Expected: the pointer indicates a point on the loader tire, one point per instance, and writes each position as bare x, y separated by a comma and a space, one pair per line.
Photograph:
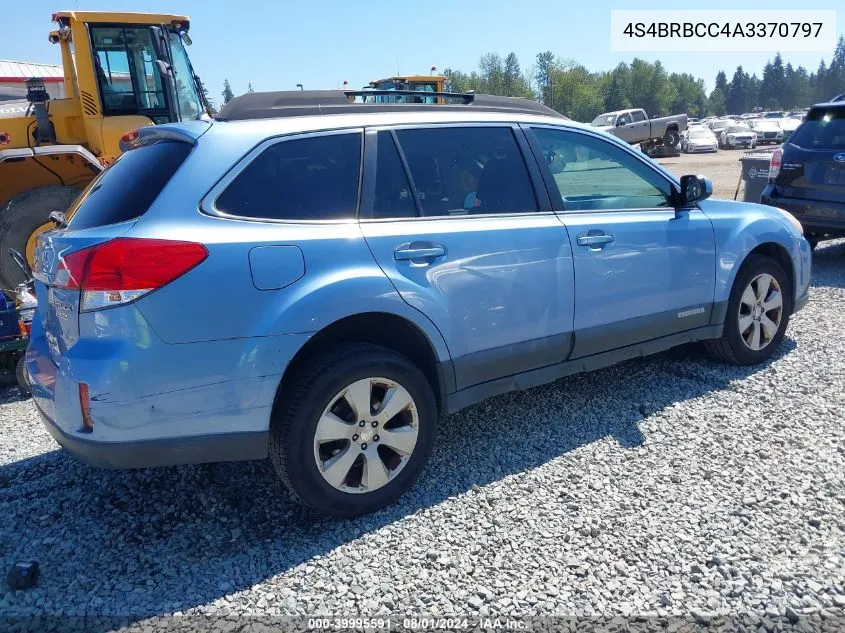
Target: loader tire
23, 214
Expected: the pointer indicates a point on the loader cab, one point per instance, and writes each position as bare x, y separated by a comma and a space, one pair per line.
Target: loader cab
422, 84
144, 70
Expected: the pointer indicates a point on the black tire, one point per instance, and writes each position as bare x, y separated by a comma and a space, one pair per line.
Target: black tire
300, 405
21, 375
730, 348
25, 213
671, 138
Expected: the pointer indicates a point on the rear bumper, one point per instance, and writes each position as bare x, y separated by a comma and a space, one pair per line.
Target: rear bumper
157, 404
221, 447
814, 215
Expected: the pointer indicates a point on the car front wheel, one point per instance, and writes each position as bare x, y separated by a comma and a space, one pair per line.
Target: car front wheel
758, 312
354, 429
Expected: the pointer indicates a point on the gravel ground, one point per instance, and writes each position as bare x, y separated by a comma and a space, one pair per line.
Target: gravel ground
671, 485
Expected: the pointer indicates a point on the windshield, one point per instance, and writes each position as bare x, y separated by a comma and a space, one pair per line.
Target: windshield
190, 105
823, 129
604, 119
392, 84
700, 134
738, 129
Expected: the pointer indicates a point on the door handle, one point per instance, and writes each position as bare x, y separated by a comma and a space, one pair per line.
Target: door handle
409, 252
595, 240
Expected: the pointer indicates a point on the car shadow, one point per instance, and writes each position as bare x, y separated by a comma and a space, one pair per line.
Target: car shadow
174, 538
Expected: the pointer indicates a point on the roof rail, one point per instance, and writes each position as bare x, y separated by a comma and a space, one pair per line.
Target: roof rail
268, 105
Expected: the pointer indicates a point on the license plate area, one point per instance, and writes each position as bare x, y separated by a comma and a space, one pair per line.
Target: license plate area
834, 176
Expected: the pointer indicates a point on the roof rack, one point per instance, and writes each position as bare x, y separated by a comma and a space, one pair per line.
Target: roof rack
269, 105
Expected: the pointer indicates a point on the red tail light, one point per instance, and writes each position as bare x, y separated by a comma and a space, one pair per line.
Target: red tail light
774, 163
130, 140
124, 269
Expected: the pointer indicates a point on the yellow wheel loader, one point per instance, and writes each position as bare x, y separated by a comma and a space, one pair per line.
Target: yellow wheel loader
408, 83
122, 71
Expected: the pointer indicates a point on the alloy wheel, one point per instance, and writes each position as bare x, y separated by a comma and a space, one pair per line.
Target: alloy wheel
760, 312
366, 435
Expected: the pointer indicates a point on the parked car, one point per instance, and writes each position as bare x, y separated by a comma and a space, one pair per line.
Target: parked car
807, 174
720, 124
788, 125
634, 126
767, 131
737, 136
379, 267
699, 139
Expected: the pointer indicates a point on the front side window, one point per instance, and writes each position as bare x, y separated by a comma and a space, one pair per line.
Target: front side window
313, 178
467, 170
593, 174
127, 72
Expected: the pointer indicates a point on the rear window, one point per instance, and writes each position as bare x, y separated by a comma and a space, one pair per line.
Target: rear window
313, 178
127, 188
823, 129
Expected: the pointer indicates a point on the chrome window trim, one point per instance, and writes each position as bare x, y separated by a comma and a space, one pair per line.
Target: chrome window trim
208, 204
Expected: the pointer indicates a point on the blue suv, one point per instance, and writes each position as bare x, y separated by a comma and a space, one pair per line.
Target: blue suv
317, 277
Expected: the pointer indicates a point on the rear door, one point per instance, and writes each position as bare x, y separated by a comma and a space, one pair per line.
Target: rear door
462, 226
813, 162
643, 269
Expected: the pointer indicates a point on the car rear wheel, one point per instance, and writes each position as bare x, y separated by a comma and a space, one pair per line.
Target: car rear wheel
354, 430
758, 313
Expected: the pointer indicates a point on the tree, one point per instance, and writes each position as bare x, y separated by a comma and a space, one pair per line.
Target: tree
721, 82
616, 86
227, 93
545, 61
512, 76
716, 103
818, 82
737, 99
834, 80
249, 88
212, 111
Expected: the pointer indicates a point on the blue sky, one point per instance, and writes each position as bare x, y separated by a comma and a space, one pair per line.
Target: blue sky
276, 44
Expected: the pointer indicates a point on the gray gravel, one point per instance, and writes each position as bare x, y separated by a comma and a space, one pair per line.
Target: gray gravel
667, 485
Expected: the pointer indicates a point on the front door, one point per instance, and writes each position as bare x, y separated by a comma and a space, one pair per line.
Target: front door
464, 238
643, 269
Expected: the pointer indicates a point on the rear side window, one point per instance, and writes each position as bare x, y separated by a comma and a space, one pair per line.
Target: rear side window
823, 129
313, 178
127, 188
393, 197
461, 170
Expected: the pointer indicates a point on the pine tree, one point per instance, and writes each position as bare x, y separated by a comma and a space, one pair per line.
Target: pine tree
212, 111
227, 93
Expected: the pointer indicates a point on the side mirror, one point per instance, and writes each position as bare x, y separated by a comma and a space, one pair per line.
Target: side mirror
694, 189
185, 38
